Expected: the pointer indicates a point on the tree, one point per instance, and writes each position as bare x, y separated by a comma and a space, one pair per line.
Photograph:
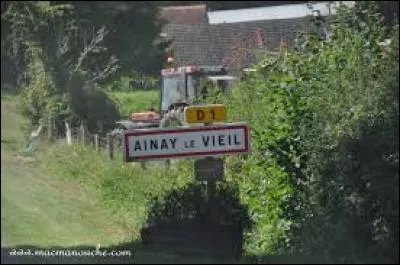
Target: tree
133, 29
79, 46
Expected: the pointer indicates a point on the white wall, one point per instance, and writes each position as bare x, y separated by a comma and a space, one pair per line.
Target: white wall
273, 12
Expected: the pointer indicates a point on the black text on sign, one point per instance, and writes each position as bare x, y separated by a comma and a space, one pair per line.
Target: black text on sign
205, 114
186, 142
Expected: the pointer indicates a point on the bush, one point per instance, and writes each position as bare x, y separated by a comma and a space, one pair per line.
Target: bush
349, 140
323, 173
265, 179
42, 100
95, 106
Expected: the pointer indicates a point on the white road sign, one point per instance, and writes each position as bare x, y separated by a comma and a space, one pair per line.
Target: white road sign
151, 144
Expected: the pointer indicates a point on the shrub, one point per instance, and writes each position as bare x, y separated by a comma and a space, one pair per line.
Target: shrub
40, 99
323, 173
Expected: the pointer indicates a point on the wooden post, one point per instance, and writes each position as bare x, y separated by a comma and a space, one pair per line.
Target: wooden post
68, 133
83, 132
168, 164
211, 194
212, 200
96, 142
110, 146
50, 129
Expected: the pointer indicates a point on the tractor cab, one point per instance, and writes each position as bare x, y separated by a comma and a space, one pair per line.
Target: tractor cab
181, 87
188, 85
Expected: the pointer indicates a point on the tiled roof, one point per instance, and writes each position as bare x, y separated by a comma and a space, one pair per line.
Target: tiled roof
213, 44
185, 15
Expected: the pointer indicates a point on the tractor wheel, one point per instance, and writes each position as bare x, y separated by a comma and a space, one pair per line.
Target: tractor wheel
173, 118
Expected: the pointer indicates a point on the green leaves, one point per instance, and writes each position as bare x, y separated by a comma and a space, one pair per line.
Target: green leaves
79, 45
312, 118
346, 89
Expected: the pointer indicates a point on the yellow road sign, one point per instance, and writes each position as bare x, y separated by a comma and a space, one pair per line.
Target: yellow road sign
205, 114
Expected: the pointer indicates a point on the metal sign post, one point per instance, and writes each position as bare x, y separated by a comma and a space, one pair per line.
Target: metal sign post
210, 138
209, 169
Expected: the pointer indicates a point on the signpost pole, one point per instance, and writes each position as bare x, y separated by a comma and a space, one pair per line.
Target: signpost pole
213, 137
209, 140
211, 189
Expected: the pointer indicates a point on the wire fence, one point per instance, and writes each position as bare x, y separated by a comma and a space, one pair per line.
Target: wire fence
109, 143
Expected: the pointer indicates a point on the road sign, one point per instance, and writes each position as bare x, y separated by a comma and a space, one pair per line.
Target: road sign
180, 142
209, 168
205, 114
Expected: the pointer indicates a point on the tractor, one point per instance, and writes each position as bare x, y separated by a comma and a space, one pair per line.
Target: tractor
181, 87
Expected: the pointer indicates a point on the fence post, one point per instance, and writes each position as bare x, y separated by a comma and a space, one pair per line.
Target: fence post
83, 132
110, 146
96, 142
50, 128
68, 133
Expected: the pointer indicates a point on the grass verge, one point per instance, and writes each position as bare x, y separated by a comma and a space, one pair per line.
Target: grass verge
137, 101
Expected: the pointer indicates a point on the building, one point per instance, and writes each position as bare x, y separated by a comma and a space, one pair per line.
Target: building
235, 37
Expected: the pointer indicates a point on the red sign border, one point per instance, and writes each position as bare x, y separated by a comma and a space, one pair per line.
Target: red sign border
244, 150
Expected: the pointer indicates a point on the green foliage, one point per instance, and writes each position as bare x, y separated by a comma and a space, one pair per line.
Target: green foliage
137, 101
352, 93
23, 24
39, 100
133, 29
323, 173
265, 178
322, 178
133, 82
97, 108
125, 189
78, 46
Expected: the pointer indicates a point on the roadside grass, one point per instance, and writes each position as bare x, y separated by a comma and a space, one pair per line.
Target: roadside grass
39, 208
135, 101
12, 137
72, 197
125, 189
